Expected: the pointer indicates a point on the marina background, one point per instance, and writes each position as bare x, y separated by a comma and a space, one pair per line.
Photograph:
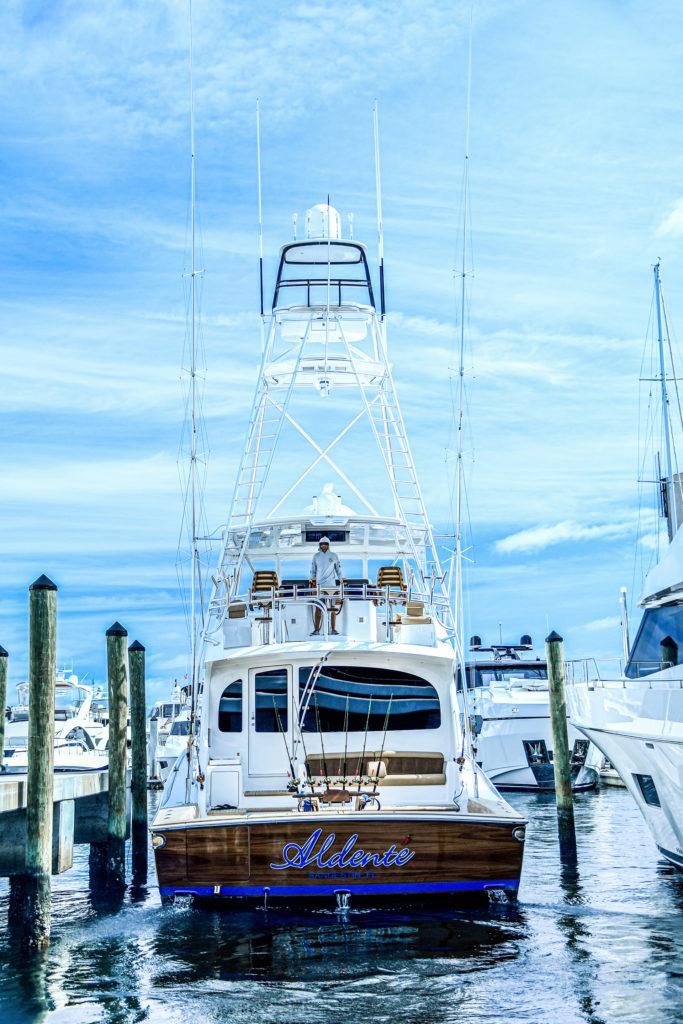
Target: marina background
575, 192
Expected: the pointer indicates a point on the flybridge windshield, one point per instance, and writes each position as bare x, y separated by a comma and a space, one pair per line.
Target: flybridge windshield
318, 273
323, 252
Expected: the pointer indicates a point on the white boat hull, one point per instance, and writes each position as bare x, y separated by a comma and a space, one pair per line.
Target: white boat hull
638, 726
508, 720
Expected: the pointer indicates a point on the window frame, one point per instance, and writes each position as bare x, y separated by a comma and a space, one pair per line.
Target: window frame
231, 732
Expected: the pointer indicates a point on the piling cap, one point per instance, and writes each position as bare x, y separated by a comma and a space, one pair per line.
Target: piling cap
136, 646
117, 630
3, 653
43, 583
553, 637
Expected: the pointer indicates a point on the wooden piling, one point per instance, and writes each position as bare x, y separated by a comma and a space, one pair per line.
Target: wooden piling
138, 784
554, 648
42, 673
117, 671
3, 700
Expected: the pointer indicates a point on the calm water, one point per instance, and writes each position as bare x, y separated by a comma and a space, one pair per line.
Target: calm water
603, 945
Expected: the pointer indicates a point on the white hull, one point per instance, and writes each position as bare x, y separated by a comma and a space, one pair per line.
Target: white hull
638, 725
508, 720
66, 759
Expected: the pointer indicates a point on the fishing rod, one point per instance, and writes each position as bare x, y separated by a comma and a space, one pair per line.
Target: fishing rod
361, 762
384, 739
284, 739
346, 735
322, 745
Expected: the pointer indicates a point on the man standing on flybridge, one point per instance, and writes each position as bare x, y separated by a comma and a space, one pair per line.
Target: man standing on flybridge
326, 575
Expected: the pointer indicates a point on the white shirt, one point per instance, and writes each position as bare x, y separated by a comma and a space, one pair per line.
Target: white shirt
325, 568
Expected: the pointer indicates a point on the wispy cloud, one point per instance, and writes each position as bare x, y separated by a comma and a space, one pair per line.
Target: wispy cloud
598, 625
673, 222
540, 537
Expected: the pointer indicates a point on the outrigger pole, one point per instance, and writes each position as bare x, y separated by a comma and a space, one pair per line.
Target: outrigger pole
459, 614
193, 413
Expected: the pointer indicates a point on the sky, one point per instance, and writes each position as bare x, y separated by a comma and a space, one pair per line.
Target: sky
576, 189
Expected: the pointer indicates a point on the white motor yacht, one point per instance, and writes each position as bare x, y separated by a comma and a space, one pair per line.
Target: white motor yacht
326, 753
78, 729
635, 717
508, 697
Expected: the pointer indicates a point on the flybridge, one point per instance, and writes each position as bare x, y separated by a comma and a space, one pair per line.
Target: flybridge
354, 536
325, 336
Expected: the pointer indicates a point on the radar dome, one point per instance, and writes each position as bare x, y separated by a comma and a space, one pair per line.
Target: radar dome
323, 221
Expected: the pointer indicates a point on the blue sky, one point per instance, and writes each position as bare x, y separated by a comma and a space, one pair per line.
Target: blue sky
576, 189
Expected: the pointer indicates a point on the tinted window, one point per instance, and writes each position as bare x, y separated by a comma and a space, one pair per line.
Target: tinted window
354, 699
181, 728
485, 675
230, 708
648, 789
270, 690
648, 654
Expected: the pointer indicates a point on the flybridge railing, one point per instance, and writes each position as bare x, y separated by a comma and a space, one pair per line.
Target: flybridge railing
277, 598
610, 672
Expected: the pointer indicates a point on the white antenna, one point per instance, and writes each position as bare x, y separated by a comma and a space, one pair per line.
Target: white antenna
260, 205
350, 217
295, 221
380, 223
325, 383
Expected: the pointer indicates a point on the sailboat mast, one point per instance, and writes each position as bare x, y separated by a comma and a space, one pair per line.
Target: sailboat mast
193, 385
665, 405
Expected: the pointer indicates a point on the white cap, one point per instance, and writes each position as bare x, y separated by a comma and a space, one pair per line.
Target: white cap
323, 540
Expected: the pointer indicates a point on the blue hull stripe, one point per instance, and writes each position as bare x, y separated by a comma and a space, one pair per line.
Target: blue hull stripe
329, 890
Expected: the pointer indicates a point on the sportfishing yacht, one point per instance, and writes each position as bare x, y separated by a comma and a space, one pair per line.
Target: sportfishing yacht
636, 717
330, 756
508, 697
78, 728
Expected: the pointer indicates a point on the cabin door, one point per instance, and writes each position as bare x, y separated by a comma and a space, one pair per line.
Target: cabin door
270, 723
